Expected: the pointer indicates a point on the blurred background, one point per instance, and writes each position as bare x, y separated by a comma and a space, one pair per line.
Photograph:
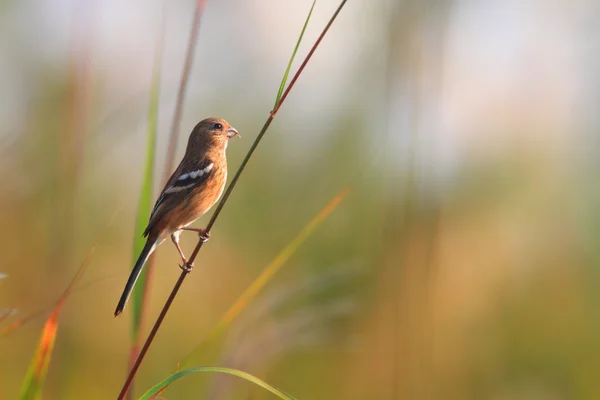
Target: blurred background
462, 265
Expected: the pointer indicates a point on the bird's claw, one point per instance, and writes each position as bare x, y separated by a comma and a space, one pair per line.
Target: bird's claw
187, 267
203, 235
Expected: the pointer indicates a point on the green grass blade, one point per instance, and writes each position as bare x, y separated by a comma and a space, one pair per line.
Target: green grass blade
162, 385
145, 199
289, 66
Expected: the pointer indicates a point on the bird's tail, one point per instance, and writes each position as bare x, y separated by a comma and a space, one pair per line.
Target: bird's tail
133, 277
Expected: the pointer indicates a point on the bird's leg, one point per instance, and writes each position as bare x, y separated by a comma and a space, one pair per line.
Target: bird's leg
202, 233
186, 266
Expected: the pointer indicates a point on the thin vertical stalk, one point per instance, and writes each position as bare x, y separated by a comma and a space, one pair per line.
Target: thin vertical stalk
140, 303
187, 67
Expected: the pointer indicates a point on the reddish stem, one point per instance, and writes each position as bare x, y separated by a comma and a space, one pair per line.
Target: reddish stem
226, 195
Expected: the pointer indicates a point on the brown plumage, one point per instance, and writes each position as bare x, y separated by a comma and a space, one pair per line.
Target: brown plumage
191, 191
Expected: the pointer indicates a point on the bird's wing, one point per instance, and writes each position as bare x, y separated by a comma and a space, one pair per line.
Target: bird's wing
183, 181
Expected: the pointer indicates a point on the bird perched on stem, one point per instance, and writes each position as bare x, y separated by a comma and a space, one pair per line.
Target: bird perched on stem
191, 191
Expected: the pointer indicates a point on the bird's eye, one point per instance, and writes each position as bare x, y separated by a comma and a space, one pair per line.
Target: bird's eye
217, 126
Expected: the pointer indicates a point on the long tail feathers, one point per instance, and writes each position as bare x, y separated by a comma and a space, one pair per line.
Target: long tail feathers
133, 277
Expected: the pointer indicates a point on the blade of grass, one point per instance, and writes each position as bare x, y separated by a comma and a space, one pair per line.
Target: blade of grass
36, 375
141, 292
145, 199
159, 387
308, 57
289, 66
281, 258
269, 272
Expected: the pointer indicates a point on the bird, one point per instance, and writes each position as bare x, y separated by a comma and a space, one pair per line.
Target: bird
193, 188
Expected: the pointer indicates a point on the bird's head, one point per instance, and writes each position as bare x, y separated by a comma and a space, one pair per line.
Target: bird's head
212, 132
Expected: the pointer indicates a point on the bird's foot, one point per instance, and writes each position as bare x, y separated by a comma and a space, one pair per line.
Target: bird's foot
202, 233
186, 266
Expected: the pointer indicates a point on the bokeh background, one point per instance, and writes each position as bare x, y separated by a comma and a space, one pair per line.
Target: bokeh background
462, 265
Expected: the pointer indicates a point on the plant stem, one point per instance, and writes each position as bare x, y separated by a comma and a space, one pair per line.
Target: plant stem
151, 335
221, 204
189, 57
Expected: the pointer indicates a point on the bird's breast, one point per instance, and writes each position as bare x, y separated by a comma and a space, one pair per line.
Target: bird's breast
201, 199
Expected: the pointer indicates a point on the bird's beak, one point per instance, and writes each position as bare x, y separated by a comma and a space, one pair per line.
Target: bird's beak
231, 132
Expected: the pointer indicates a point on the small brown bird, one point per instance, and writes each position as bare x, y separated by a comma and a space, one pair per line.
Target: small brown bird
191, 191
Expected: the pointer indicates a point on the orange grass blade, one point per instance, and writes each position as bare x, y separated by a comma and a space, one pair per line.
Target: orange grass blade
274, 266
36, 375
281, 258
